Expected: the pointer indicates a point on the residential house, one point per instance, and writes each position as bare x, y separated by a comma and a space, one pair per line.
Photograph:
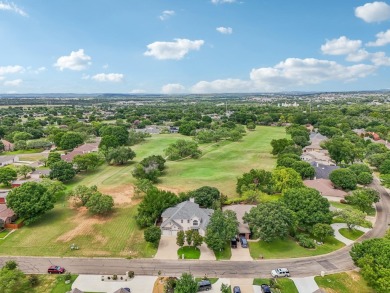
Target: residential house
8, 146
3, 196
240, 210
6, 215
152, 129
315, 142
325, 187
40, 173
185, 216
17, 183
83, 149
173, 129
7, 160
322, 170
320, 157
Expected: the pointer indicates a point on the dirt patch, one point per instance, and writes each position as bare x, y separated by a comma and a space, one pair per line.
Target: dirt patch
172, 189
121, 194
85, 226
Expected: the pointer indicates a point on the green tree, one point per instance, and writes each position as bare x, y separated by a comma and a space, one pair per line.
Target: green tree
309, 207
24, 170
384, 167
13, 281
180, 238
119, 132
87, 162
342, 150
11, 265
20, 135
186, 284
197, 239
53, 158
109, 141
30, 201
251, 126
182, 149
321, 231
120, 155
70, 140
225, 288
149, 168
364, 178
62, 171
360, 168
7, 175
270, 221
54, 187
222, 227
206, 196
352, 217
100, 204
363, 199
189, 234
83, 193
255, 180
152, 234
304, 169
286, 178
343, 178
153, 204
278, 145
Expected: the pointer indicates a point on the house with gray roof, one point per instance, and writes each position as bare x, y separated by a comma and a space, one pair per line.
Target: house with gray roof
323, 171
185, 216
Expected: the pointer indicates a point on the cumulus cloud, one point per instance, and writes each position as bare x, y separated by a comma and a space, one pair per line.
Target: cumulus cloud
11, 69
373, 12
137, 91
287, 75
172, 50
340, 46
10, 6
173, 88
77, 60
225, 30
358, 56
382, 39
108, 77
380, 59
222, 1
166, 14
15, 82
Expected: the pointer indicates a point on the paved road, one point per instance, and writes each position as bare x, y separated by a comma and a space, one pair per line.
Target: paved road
300, 267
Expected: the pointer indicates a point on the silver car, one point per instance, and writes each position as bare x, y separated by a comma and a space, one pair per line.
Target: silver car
280, 272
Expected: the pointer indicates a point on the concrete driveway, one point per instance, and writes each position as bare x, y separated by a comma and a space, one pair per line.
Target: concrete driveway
206, 253
167, 248
93, 283
240, 254
245, 284
216, 288
306, 285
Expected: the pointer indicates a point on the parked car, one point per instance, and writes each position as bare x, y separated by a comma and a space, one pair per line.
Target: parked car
236, 289
280, 272
244, 242
265, 288
204, 285
233, 243
55, 270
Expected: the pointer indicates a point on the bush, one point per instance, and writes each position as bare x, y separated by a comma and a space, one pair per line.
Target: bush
130, 274
68, 276
34, 280
305, 241
343, 201
115, 277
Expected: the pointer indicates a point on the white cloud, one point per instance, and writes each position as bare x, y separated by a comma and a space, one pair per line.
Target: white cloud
173, 88
222, 86
373, 12
166, 14
340, 46
11, 69
39, 70
15, 82
10, 6
380, 59
222, 1
358, 56
225, 30
110, 77
382, 39
172, 50
287, 75
77, 60
137, 91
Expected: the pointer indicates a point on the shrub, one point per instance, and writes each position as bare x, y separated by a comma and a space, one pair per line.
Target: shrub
305, 241
115, 277
343, 201
68, 276
34, 280
130, 274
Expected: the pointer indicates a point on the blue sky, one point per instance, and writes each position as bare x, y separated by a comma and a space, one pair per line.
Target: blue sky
193, 46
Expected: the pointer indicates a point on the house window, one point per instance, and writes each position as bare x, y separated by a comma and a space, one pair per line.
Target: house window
195, 223
188, 221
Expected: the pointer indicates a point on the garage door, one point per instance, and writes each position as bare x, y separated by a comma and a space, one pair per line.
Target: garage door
166, 232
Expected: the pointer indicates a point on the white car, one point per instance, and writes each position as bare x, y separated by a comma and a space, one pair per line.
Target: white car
280, 272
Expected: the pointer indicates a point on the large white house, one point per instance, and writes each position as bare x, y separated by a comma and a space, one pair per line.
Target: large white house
185, 216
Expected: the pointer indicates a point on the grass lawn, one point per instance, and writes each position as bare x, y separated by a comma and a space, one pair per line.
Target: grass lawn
286, 285
339, 205
350, 282
4, 233
189, 252
52, 284
288, 248
19, 152
353, 235
225, 254
52, 235
61, 287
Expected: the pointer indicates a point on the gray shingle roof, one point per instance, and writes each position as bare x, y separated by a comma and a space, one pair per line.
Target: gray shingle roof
323, 171
187, 210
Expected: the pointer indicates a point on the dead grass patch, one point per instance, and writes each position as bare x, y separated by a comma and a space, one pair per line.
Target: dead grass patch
122, 194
